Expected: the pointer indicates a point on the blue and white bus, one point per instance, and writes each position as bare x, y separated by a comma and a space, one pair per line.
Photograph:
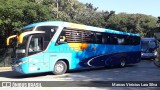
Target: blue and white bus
57, 46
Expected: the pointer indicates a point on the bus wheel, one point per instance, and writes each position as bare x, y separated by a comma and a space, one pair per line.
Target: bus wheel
60, 68
123, 62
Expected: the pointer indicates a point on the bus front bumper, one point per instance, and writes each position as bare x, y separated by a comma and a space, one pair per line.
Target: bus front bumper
20, 68
148, 55
17, 69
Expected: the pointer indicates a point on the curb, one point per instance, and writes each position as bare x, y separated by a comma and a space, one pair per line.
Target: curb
5, 69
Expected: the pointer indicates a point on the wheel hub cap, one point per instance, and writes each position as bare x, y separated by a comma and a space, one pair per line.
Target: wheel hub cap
59, 68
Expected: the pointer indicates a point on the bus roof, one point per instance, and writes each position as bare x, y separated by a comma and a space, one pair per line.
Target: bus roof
79, 26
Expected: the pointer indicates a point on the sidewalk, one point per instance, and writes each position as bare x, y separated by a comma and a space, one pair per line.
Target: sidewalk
5, 69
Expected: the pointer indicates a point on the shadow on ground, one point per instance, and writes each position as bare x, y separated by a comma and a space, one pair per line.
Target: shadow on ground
15, 75
143, 71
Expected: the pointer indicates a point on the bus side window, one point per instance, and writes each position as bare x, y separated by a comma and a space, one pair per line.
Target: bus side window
49, 31
62, 38
92, 37
113, 39
98, 38
127, 40
36, 44
104, 39
121, 40
134, 40
85, 38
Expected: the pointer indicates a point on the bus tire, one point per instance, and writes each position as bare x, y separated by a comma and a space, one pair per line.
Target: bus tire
60, 68
122, 62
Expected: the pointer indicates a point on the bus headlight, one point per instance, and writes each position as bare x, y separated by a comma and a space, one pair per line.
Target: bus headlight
155, 53
21, 62
142, 54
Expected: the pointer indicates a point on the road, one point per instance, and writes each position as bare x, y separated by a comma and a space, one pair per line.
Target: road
143, 71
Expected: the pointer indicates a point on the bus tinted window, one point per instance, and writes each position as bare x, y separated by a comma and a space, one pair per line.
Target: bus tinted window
121, 40
113, 39
49, 31
98, 38
77, 36
134, 40
105, 38
86, 36
73, 35
36, 45
92, 37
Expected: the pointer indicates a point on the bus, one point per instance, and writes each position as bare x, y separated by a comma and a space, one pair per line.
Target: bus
57, 46
148, 48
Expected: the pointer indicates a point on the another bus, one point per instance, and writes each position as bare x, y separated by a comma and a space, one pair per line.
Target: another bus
57, 46
148, 48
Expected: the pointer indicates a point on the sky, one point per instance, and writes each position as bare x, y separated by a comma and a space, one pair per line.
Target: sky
148, 7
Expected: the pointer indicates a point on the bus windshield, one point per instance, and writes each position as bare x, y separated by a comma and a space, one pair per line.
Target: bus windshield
26, 29
24, 44
148, 46
19, 50
25, 39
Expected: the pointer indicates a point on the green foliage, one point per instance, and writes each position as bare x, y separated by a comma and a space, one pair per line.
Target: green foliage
134, 23
17, 13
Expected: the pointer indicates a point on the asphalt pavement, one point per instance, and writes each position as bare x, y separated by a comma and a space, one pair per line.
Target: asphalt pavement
143, 71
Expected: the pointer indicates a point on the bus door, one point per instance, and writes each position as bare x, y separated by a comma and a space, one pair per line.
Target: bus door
37, 63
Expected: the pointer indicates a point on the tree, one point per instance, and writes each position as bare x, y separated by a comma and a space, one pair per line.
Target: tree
17, 13
134, 23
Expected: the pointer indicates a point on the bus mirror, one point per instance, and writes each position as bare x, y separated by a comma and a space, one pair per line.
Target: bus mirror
9, 39
20, 51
